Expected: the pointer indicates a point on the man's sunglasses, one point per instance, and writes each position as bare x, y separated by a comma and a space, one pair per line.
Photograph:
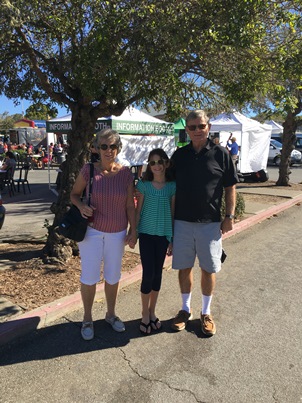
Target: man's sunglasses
194, 127
105, 147
159, 162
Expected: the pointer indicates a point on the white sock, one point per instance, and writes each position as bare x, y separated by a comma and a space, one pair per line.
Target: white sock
186, 301
206, 304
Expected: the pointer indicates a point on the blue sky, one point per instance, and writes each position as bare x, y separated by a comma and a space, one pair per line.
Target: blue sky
7, 105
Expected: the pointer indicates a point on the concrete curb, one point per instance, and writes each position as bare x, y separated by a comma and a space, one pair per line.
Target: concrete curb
46, 314
257, 218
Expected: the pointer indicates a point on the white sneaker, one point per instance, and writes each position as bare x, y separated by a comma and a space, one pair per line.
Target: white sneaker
116, 323
87, 331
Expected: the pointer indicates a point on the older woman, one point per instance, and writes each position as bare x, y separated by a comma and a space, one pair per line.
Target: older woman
111, 209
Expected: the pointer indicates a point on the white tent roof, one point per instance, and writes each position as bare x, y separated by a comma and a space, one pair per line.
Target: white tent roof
252, 136
276, 128
130, 113
132, 121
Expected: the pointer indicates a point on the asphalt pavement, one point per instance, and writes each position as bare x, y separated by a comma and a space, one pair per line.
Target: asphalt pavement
254, 357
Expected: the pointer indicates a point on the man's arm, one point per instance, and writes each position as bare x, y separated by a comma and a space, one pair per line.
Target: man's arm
230, 203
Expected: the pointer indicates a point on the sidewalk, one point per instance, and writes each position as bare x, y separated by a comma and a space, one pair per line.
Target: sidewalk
253, 358
25, 215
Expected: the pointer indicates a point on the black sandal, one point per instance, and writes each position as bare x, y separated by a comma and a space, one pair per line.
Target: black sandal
146, 327
154, 323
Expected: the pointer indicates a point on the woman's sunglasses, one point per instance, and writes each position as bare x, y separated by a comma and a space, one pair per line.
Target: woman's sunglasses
105, 147
194, 127
158, 162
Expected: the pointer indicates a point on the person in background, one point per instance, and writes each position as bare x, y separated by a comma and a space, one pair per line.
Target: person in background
154, 218
38, 160
202, 171
111, 210
233, 148
9, 162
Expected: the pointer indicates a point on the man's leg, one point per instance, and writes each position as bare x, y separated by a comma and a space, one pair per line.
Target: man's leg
185, 277
208, 281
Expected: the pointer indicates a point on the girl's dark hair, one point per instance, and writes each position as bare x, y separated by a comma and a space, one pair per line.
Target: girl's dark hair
148, 175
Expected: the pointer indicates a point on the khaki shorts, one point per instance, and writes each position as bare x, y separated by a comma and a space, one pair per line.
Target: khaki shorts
201, 240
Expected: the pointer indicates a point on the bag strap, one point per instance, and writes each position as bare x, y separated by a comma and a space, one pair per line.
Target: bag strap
90, 182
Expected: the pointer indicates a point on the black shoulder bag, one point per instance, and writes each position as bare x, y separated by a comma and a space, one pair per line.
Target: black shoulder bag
73, 225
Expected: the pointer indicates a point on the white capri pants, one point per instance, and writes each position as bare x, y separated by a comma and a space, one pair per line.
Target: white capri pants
100, 246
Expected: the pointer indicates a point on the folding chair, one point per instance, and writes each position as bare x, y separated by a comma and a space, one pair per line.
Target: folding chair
23, 178
8, 181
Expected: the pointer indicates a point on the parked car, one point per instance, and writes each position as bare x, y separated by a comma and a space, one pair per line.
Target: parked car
298, 143
274, 155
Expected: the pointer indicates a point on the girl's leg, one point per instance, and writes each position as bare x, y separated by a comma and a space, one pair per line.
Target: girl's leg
147, 253
145, 314
160, 255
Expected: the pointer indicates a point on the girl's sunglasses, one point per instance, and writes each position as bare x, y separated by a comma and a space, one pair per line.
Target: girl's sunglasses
105, 147
158, 162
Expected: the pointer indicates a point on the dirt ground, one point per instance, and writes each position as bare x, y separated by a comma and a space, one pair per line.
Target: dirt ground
30, 283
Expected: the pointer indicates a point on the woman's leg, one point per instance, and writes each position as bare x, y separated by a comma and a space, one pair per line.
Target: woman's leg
111, 291
88, 293
114, 245
91, 252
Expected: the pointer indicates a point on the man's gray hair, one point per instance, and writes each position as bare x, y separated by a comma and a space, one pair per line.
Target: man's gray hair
198, 113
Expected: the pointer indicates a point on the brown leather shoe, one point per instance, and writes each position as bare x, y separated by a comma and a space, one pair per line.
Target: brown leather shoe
181, 319
208, 326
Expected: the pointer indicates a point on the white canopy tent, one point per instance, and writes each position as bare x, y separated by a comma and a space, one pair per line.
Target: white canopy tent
140, 133
276, 128
131, 121
252, 137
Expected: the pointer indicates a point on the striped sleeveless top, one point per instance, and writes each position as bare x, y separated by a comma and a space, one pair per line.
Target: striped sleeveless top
155, 218
109, 197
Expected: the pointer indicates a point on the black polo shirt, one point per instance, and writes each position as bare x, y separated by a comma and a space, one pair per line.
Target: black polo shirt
200, 179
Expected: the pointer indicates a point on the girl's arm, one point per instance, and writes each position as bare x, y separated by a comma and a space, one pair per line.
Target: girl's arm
131, 237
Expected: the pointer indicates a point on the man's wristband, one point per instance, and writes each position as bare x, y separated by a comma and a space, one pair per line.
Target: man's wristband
231, 216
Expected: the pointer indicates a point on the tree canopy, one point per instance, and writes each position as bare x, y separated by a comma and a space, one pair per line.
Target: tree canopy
97, 57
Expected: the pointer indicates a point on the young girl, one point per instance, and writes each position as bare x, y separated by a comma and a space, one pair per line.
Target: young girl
154, 217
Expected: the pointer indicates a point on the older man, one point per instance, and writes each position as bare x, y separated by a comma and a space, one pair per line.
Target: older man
202, 171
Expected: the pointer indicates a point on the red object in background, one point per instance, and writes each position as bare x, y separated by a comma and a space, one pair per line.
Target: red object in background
45, 160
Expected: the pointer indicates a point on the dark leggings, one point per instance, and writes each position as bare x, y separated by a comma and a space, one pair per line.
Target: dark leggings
153, 251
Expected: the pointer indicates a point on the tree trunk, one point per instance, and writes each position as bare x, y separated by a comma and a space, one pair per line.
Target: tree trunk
59, 249
288, 141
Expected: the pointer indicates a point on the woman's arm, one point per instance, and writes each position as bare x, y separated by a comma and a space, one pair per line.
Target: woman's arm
76, 194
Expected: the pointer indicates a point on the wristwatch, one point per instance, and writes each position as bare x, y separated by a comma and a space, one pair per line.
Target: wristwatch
231, 216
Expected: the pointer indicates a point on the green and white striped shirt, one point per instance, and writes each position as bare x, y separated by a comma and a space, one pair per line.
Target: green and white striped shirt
155, 217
